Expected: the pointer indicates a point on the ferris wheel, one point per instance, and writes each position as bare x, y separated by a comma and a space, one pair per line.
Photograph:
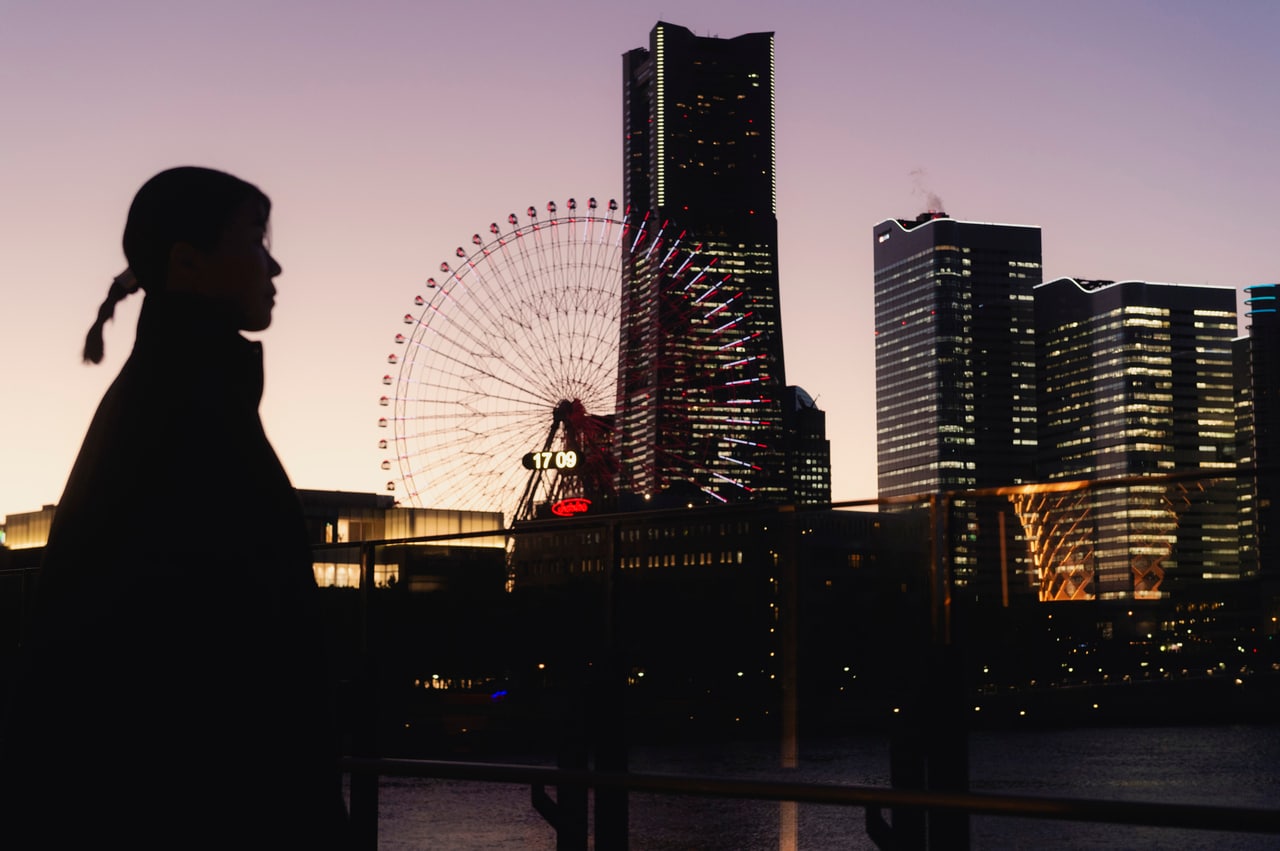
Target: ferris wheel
505, 394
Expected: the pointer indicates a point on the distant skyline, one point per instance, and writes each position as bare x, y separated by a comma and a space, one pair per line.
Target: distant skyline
1140, 136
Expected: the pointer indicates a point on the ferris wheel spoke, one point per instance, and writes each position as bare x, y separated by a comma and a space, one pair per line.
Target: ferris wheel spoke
480, 378
517, 306
451, 431
501, 317
564, 298
485, 346
463, 468
449, 425
456, 462
532, 269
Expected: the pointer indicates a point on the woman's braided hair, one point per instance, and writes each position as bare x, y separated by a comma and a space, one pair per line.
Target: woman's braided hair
186, 204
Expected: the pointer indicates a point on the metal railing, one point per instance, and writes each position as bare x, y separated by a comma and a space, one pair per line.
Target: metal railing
872, 799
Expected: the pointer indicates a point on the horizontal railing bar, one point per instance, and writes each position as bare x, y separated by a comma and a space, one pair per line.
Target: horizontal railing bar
1138, 813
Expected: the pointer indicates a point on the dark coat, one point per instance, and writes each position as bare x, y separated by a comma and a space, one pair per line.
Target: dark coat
176, 691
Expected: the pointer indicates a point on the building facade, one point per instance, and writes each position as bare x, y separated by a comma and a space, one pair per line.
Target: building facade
808, 452
338, 521
955, 375
1136, 380
1262, 309
701, 373
716, 608
1246, 485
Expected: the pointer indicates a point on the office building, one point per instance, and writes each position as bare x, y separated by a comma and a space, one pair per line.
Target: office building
807, 450
1136, 380
1246, 484
701, 374
719, 603
1262, 309
955, 378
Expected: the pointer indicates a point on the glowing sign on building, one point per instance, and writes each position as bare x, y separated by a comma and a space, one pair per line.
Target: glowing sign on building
570, 507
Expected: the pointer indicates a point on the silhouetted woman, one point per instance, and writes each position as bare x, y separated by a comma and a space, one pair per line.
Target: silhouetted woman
176, 688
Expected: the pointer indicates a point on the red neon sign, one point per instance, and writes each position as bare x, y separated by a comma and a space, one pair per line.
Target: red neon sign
570, 507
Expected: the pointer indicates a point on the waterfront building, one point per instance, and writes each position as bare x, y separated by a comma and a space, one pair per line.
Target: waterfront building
1246, 485
955, 378
720, 604
1262, 309
1136, 380
341, 517
28, 530
699, 159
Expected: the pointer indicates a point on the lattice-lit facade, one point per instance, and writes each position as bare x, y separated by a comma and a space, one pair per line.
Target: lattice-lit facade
699, 157
955, 371
1136, 379
1262, 307
1246, 486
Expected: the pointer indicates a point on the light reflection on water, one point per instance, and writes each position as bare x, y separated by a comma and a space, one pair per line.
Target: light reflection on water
1228, 765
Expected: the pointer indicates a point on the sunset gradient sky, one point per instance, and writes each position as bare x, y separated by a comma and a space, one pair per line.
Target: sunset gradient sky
1142, 136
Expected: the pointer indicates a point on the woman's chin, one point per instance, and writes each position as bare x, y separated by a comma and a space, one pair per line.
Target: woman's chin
256, 323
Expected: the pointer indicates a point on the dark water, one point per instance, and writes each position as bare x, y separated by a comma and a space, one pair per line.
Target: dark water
1227, 765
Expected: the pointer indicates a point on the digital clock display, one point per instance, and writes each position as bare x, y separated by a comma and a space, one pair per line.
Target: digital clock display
565, 459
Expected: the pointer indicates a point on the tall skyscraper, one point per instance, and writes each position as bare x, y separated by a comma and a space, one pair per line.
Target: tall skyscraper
701, 375
1246, 485
955, 373
1263, 375
1136, 379
1263, 378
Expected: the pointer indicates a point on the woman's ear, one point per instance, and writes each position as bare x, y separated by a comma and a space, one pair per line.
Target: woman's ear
183, 270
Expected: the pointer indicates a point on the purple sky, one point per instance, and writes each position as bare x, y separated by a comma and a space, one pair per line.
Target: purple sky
1141, 136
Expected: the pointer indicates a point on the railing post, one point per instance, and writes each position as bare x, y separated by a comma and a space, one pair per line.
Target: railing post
929, 743
571, 798
946, 727
364, 723
609, 715
789, 758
